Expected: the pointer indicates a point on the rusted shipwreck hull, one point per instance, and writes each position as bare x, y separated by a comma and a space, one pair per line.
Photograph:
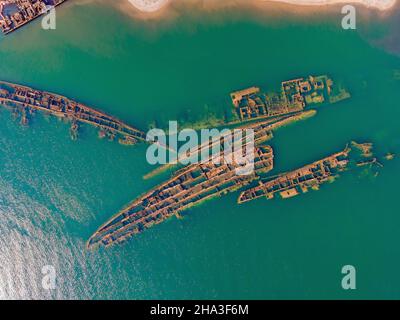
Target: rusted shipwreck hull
27, 99
188, 187
299, 181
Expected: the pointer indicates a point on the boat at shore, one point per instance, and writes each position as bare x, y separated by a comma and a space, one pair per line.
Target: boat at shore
16, 13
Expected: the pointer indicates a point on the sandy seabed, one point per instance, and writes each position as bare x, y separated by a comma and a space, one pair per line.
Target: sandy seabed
156, 5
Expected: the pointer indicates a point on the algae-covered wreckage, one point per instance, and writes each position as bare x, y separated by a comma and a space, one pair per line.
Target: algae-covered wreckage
260, 113
311, 176
195, 183
189, 186
294, 96
26, 101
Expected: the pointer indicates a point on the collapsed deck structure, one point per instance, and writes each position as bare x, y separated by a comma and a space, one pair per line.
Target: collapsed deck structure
260, 114
290, 184
293, 183
188, 187
262, 130
17, 13
26, 100
195, 183
295, 96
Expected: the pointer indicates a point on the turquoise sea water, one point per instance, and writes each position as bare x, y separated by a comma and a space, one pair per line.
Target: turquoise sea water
55, 192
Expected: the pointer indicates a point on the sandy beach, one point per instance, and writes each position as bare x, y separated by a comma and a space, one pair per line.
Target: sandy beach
156, 5
377, 4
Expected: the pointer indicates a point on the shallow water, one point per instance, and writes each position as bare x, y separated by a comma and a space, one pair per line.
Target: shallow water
55, 192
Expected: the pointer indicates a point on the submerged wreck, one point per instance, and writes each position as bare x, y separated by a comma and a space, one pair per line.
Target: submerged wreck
195, 183
17, 13
192, 185
188, 187
291, 184
27, 100
203, 180
263, 131
294, 96
199, 182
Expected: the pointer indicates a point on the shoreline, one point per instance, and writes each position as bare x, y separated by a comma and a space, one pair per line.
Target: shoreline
166, 11
155, 6
382, 5
267, 11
